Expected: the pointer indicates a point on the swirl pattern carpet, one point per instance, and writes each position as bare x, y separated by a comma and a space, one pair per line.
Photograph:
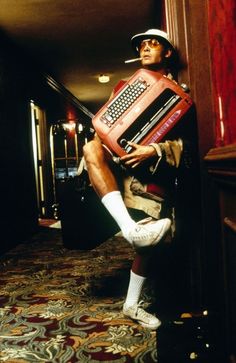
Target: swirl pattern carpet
65, 306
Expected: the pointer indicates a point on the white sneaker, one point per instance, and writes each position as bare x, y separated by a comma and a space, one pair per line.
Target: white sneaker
148, 235
145, 319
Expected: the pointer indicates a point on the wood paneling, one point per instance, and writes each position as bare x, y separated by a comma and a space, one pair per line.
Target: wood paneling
221, 164
188, 25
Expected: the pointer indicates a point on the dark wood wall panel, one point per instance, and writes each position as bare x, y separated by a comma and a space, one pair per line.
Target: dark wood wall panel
221, 164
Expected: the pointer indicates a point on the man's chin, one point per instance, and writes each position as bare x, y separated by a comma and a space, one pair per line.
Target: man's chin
147, 62
152, 65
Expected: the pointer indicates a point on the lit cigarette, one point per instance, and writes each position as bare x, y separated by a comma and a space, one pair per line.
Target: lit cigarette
133, 60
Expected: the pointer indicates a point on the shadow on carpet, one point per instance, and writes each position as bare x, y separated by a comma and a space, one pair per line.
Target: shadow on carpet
60, 305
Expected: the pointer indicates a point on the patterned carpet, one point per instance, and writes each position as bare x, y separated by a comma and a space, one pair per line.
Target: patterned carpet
59, 305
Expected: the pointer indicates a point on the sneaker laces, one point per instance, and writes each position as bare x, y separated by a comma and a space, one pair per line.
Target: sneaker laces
141, 312
142, 236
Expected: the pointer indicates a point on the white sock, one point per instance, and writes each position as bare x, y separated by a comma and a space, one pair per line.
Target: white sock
114, 203
136, 283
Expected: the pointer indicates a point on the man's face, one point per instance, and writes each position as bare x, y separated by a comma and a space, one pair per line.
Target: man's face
152, 52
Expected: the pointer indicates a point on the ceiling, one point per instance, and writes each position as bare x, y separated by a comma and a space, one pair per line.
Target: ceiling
77, 40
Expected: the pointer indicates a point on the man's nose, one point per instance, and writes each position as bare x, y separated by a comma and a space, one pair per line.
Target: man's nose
146, 46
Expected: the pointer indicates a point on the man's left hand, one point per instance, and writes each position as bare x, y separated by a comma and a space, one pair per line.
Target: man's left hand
138, 154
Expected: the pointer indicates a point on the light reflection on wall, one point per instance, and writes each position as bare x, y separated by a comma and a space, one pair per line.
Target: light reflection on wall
222, 36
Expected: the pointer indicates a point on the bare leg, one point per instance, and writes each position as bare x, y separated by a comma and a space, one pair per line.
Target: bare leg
97, 160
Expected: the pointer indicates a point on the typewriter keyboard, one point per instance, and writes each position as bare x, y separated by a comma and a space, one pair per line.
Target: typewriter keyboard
123, 101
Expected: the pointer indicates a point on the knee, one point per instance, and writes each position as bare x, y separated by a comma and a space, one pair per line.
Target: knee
92, 150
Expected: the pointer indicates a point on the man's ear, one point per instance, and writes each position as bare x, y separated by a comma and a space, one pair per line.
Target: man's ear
168, 53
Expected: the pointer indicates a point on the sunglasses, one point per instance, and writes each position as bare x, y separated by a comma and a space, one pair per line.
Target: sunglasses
151, 43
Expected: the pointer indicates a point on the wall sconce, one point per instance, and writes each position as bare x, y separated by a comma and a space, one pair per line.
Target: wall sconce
103, 78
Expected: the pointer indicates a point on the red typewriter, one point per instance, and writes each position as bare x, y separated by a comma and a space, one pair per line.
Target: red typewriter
143, 111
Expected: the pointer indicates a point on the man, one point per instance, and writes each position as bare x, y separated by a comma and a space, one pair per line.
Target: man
141, 168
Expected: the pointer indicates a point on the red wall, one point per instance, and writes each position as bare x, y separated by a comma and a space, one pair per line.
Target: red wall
222, 33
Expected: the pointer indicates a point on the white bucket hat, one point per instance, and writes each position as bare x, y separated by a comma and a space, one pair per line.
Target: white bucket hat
151, 33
